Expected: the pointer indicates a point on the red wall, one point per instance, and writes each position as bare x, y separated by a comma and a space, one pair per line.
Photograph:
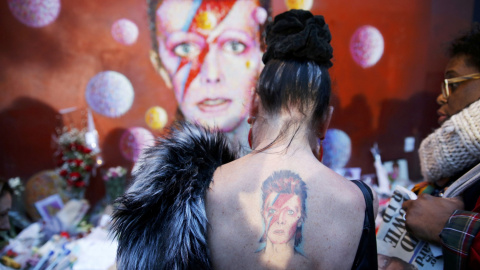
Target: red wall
43, 70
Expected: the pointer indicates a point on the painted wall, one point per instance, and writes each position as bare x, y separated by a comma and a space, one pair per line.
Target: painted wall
395, 98
44, 70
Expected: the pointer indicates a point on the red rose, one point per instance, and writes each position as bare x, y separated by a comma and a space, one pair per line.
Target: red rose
88, 168
80, 148
75, 175
65, 234
87, 150
78, 162
11, 253
63, 172
79, 184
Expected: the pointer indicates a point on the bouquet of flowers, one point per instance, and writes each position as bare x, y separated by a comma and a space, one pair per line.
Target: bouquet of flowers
114, 180
75, 159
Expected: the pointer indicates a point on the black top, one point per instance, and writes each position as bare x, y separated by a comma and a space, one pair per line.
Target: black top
366, 257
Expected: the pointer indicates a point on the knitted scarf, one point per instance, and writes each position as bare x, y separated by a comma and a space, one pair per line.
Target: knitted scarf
454, 147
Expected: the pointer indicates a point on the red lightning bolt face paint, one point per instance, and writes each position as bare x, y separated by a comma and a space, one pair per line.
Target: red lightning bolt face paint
282, 213
211, 51
208, 15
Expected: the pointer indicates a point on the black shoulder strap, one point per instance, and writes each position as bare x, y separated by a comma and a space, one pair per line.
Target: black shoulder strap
366, 257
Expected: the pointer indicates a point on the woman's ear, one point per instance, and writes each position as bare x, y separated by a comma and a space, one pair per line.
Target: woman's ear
322, 128
156, 62
254, 104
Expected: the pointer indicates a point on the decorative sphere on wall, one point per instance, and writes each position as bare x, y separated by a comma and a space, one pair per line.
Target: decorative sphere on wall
156, 117
366, 46
299, 4
133, 141
337, 148
110, 93
125, 31
35, 13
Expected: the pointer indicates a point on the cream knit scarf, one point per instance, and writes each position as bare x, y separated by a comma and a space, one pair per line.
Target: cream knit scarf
454, 147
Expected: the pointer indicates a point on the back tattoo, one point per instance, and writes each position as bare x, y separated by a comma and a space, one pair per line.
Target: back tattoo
284, 212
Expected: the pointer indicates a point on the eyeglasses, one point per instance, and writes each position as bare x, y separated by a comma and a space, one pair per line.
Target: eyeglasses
455, 81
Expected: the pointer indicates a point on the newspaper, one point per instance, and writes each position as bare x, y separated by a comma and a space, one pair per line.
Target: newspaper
394, 243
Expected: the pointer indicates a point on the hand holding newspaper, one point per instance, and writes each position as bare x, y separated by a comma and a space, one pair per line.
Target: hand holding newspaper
394, 243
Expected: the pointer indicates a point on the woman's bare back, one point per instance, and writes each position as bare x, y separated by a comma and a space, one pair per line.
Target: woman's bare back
269, 212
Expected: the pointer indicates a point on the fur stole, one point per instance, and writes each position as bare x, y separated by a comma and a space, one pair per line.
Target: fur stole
161, 220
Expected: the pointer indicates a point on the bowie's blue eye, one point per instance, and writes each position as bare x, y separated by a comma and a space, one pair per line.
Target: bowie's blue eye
234, 46
187, 50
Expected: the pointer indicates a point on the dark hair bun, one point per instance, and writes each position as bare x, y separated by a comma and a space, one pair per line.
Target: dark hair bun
297, 34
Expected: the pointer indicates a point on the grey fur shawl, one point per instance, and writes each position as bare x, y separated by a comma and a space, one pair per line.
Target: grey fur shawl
161, 222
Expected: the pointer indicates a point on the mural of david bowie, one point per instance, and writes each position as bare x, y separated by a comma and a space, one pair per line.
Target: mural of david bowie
283, 195
209, 52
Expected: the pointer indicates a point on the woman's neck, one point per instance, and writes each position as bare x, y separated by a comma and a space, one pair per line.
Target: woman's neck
283, 133
238, 138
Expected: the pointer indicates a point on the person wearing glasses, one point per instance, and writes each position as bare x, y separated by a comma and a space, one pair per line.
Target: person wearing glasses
449, 159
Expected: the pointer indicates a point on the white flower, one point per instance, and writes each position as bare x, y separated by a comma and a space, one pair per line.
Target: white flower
70, 136
114, 172
16, 185
14, 182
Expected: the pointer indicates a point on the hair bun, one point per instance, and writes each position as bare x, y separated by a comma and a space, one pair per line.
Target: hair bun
297, 34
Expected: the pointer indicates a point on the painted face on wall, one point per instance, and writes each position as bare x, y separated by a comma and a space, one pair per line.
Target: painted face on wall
282, 213
211, 51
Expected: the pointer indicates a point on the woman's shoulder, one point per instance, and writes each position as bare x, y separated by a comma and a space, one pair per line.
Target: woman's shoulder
326, 181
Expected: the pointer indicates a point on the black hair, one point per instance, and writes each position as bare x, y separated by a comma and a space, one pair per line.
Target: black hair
300, 83
152, 6
467, 45
297, 60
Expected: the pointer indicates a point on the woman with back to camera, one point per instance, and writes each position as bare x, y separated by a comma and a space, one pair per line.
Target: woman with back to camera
193, 206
